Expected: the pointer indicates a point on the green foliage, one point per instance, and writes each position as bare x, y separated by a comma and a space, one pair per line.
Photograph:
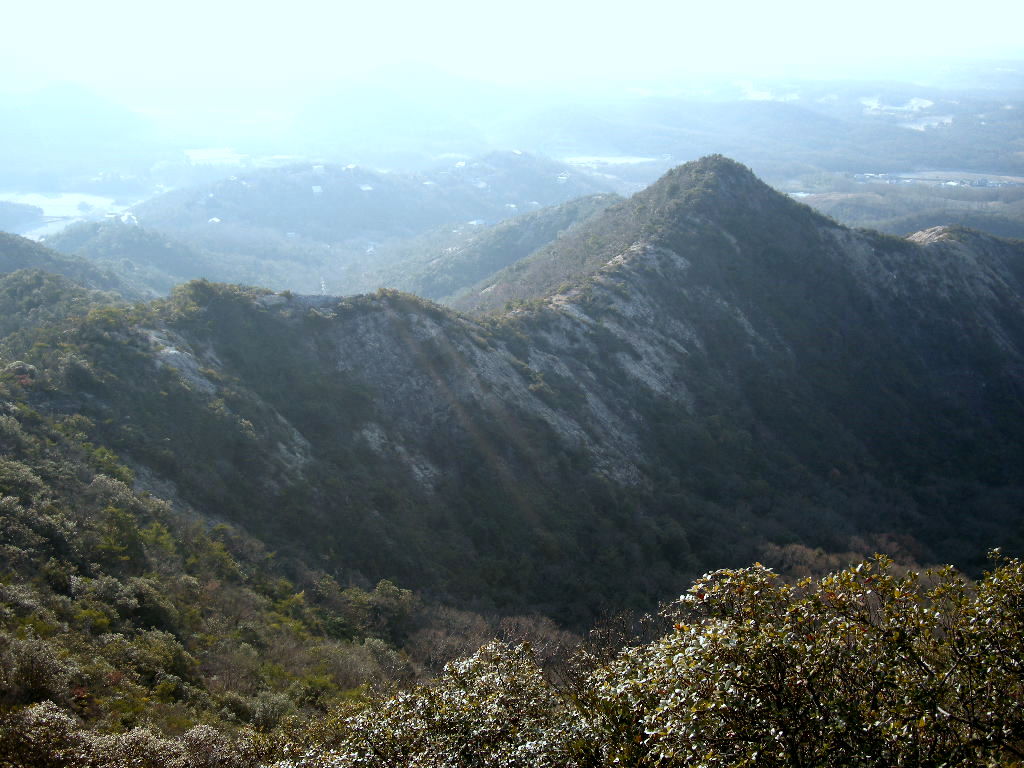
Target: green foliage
120, 541
31, 299
864, 667
494, 708
43, 736
128, 615
861, 668
20, 254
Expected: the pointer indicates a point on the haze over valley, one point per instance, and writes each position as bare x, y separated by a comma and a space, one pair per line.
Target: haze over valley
445, 386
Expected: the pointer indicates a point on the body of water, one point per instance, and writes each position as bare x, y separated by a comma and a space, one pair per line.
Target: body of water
60, 210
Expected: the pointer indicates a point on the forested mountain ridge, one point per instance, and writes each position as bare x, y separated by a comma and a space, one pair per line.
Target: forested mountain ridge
717, 369
200, 493
152, 263
441, 275
21, 253
699, 206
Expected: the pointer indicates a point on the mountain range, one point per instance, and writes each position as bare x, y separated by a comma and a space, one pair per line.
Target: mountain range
683, 379
256, 510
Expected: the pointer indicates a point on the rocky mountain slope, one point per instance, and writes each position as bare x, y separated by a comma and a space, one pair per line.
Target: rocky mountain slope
699, 374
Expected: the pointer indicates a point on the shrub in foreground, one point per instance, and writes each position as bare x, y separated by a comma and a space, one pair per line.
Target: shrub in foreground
864, 667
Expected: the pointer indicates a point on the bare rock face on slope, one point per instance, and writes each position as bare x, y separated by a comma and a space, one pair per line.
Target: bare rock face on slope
688, 376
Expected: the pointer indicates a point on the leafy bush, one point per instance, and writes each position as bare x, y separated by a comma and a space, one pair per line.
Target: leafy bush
861, 668
493, 708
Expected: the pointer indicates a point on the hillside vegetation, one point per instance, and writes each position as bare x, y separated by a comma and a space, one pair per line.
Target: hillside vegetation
710, 357
751, 671
250, 513
20, 253
440, 272
859, 668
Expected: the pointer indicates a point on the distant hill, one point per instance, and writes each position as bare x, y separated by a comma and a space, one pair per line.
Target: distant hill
319, 229
436, 273
152, 262
433, 264
14, 216
335, 204
900, 209
18, 253
784, 128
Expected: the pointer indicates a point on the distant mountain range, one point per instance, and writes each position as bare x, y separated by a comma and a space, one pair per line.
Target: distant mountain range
334, 204
343, 230
968, 118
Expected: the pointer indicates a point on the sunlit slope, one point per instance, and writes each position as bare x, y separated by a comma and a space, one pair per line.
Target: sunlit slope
438, 273
725, 371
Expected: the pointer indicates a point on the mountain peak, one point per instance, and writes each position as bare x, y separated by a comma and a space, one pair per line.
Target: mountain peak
714, 183
699, 207
715, 166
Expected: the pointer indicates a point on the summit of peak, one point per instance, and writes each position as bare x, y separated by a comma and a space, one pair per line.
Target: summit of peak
713, 177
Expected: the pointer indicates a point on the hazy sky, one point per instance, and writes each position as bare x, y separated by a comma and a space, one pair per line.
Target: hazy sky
127, 47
